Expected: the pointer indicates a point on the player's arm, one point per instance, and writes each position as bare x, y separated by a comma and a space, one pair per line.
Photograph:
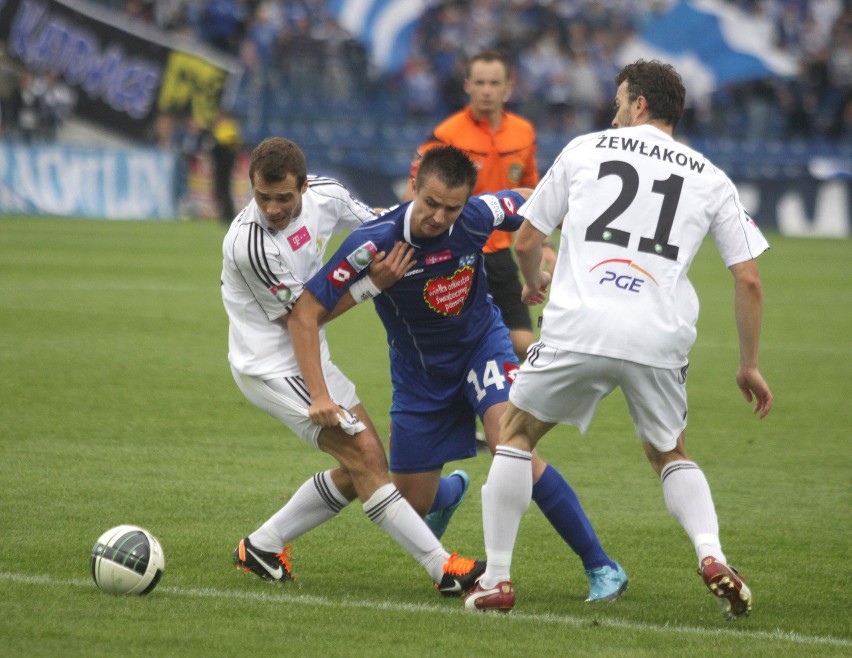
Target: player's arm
548, 254
385, 270
549, 250
528, 249
308, 313
748, 309
303, 324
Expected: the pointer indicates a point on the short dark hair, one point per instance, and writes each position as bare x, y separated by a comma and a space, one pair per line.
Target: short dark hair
488, 56
449, 165
660, 84
275, 158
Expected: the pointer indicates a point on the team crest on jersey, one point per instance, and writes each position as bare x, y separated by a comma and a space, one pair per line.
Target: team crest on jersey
282, 293
511, 371
299, 239
362, 256
468, 260
516, 170
447, 294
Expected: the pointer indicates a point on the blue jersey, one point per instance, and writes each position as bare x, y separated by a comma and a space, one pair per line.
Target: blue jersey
435, 316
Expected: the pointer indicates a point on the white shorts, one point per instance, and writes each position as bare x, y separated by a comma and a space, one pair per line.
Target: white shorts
559, 386
287, 399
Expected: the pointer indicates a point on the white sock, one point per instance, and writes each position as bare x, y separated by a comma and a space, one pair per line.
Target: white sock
506, 497
688, 499
393, 514
315, 502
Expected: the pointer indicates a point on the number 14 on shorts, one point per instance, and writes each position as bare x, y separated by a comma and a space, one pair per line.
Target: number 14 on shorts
492, 375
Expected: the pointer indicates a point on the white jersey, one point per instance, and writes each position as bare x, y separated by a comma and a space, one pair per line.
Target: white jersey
264, 272
634, 206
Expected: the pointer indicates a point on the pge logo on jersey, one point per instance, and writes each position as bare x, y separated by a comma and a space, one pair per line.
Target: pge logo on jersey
612, 275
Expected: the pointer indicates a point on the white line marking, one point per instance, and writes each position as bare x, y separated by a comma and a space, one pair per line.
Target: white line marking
777, 635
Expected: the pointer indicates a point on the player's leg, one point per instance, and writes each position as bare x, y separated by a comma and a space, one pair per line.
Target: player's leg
363, 457
657, 402
431, 426
506, 497
551, 492
451, 492
419, 489
265, 551
363, 471
562, 508
688, 498
320, 498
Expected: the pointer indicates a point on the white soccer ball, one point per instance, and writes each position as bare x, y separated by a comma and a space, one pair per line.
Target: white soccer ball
127, 559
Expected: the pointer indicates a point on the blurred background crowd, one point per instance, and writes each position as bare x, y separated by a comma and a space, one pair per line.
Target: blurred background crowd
307, 78
296, 56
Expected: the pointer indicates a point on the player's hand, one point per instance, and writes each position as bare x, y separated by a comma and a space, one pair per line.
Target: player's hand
532, 296
754, 387
388, 268
324, 412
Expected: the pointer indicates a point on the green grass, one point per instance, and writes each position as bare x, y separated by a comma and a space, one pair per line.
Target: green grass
117, 406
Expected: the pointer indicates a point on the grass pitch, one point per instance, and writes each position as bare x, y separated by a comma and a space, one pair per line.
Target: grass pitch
117, 406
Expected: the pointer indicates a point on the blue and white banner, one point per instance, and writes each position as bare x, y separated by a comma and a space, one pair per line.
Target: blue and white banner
384, 27
78, 182
712, 44
125, 73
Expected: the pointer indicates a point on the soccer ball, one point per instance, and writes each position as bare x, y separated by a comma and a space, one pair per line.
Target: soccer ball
127, 559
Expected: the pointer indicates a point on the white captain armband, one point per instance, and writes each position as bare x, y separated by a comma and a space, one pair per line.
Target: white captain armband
363, 289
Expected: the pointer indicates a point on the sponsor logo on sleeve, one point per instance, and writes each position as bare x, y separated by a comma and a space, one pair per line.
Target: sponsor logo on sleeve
362, 256
494, 205
341, 275
511, 371
299, 239
509, 205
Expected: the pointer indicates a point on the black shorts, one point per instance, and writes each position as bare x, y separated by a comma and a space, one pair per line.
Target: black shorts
504, 284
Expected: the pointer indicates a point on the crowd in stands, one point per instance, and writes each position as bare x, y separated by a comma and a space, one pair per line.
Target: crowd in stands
295, 55
34, 104
565, 54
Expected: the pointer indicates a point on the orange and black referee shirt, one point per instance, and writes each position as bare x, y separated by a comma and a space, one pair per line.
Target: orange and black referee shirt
505, 158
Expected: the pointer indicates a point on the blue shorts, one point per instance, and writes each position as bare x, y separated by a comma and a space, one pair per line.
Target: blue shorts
433, 417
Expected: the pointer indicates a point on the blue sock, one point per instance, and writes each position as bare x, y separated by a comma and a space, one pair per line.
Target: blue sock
560, 505
449, 491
